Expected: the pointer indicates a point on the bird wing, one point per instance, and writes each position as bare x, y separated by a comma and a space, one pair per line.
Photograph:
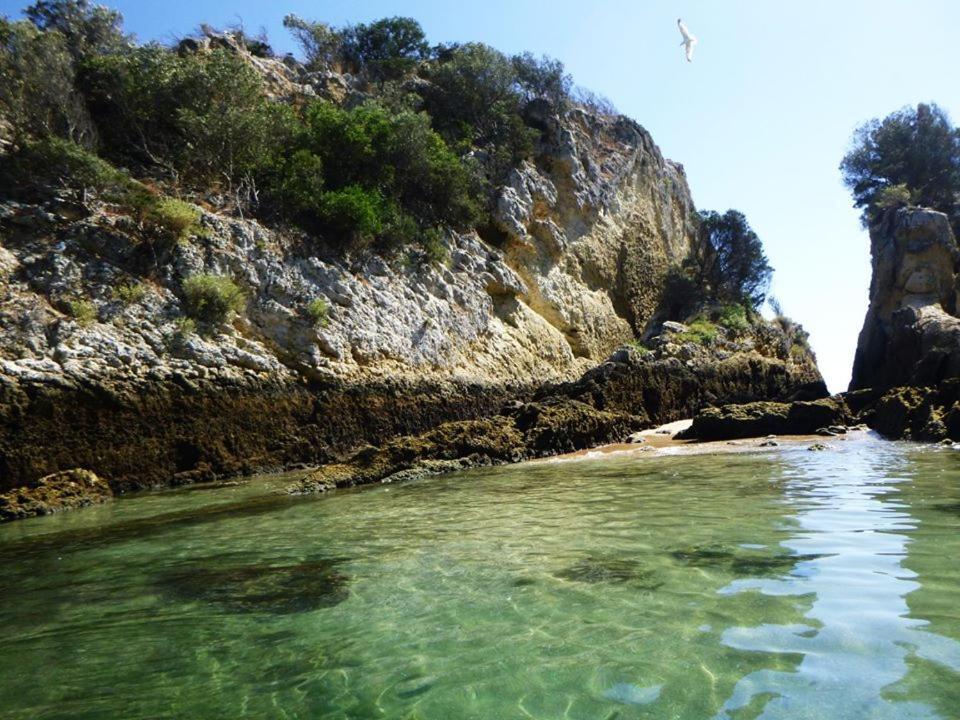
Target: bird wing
689, 46
684, 31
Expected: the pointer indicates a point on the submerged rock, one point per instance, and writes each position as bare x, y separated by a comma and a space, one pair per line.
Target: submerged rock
629, 694
54, 493
610, 570
264, 588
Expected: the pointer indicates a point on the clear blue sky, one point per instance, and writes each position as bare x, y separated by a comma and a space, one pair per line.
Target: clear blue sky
760, 120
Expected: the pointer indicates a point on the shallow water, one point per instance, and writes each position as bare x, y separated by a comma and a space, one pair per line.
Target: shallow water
788, 584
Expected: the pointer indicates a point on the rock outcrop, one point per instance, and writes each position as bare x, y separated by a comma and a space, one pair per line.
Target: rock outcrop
911, 334
98, 369
60, 491
518, 432
758, 419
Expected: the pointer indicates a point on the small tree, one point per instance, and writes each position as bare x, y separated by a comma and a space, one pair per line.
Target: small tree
320, 43
728, 260
912, 154
88, 29
37, 96
387, 48
544, 78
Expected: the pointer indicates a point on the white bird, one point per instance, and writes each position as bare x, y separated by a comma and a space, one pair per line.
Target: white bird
689, 40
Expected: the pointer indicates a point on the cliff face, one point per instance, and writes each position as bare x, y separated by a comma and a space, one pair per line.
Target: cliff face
571, 270
911, 335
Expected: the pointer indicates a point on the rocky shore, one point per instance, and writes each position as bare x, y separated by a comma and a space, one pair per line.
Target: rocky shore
556, 304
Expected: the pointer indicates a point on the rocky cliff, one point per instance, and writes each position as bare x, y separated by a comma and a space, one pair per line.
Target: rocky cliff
911, 334
570, 271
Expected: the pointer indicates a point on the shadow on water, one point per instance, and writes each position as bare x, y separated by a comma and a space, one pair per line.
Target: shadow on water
277, 590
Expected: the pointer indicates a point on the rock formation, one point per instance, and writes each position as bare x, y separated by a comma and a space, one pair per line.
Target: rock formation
911, 335
570, 270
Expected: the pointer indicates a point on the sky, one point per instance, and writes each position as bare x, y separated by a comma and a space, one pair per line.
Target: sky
760, 120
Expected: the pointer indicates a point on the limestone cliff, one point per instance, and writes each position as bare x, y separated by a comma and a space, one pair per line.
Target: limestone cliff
911, 335
570, 271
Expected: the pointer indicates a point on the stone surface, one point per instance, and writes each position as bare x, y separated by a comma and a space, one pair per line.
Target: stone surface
55, 493
530, 431
911, 335
538, 307
761, 418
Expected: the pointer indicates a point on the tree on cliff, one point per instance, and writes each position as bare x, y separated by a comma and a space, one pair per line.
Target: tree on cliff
729, 259
913, 154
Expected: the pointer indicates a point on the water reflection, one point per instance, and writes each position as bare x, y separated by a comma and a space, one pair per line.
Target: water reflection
859, 639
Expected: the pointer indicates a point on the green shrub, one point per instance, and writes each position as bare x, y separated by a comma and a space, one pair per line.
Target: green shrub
733, 317
83, 311
130, 293
211, 298
387, 48
176, 218
701, 332
319, 312
184, 326
55, 161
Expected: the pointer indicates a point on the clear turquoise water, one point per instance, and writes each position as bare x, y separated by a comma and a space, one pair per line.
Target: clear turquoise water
788, 584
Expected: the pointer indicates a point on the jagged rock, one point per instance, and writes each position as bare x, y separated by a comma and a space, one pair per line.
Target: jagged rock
333, 352
911, 335
60, 491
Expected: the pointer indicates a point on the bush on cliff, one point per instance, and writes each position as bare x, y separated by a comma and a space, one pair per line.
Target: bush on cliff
916, 150
211, 298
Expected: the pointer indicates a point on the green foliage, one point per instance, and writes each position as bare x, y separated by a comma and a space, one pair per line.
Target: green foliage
55, 161
88, 29
701, 332
732, 317
130, 293
37, 95
319, 312
366, 175
728, 263
176, 218
387, 48
202, 114
83, 311
211, 298
320, 43
639, 347
474, 101
894, 196
184, 326
918, 148
543, 78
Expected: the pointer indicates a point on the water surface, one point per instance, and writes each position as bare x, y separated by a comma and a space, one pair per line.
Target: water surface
787, 584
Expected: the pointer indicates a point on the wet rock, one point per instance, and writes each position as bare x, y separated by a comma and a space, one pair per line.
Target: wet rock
60, 491
769, 443
817, 447
534, 430
636, 439
762, 418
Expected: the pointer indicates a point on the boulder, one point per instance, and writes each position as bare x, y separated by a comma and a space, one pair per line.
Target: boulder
759, 419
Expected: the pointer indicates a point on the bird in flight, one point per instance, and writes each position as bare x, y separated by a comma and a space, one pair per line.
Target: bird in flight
688, 40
